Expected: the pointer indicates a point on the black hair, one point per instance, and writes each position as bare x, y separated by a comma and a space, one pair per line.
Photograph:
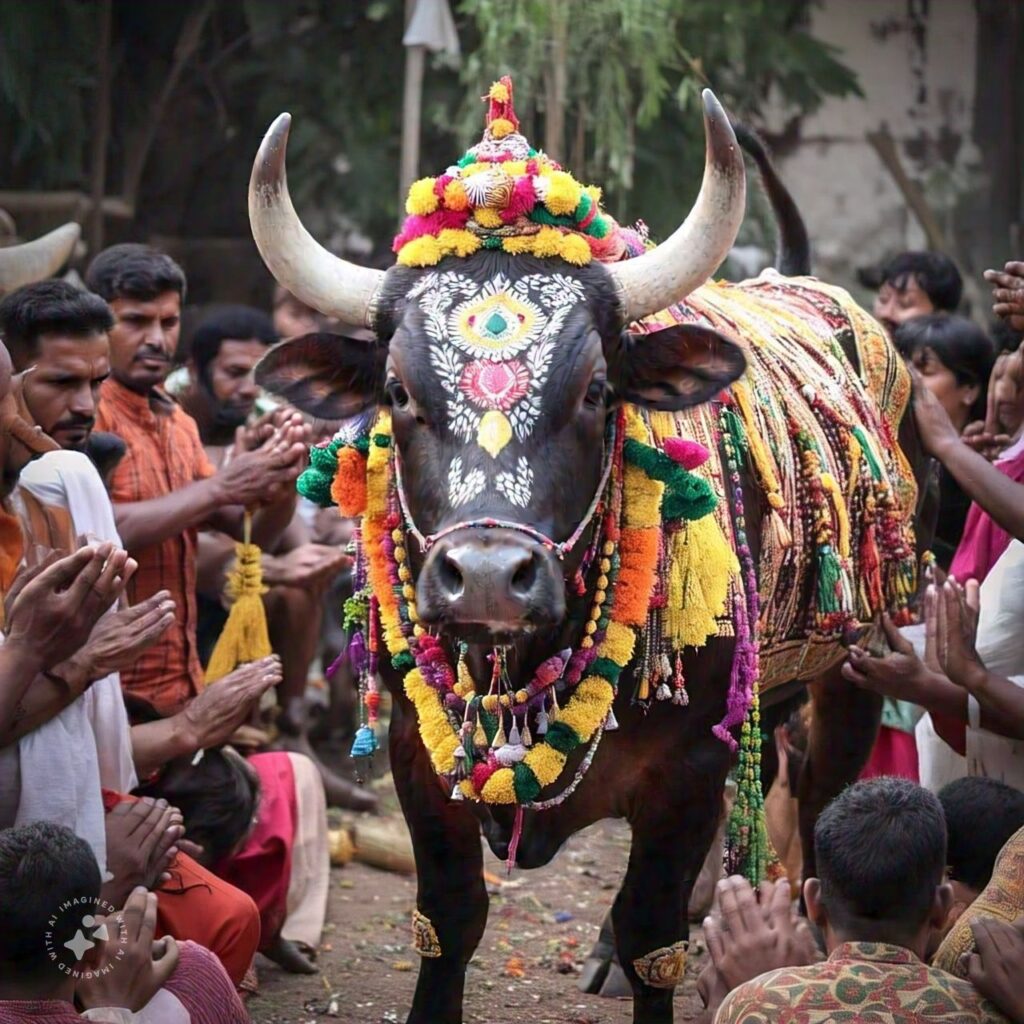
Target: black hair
49, 307
134, 271
217, 797
981, 815
936, 275
43, 867
240, 323
958, 343
881, 852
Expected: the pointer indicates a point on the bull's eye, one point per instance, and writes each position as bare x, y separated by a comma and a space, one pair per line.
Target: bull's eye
596, 393
397, 395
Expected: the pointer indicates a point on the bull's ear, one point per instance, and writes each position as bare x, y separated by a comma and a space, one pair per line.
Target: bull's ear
676, 368
326, 375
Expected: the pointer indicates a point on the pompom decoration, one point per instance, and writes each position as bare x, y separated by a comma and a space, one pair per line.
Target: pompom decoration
504, 194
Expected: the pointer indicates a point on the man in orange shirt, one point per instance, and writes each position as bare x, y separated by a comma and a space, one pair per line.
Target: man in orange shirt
165, 488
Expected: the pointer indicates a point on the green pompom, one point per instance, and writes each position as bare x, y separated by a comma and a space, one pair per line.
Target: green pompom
687, 496
324, 457
562, 737
492, 242
607, 669
525, 783
598, 227
316, 487
403, 661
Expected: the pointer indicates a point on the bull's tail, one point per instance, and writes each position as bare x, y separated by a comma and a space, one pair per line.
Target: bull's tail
793, 252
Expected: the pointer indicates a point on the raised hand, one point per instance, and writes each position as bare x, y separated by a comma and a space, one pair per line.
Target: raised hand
309, 565
55, 610
250, 477
996, 968
129, 968
213, 716
1008, 293
142, 837
119, 638
933, 423
957, 629
899, 674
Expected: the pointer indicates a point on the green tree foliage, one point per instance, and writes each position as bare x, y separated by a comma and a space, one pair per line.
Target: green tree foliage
633, 72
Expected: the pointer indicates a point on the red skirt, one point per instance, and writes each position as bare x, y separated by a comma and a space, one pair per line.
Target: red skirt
895, 753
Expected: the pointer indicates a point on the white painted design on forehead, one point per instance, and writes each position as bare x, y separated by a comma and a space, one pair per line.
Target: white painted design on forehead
464, 488
491, 346
518, 486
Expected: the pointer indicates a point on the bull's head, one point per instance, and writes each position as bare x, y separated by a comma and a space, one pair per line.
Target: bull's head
501, 372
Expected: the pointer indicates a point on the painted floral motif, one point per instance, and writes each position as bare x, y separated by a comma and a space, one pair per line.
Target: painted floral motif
516, 487
491, 346
492, 385
464, 488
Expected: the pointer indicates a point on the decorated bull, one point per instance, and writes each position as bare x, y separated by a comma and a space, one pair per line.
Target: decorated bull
605, 504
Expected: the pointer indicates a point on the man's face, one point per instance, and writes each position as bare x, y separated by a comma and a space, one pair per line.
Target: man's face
62, 390
895, 305
144, 339
293, 318
227, 382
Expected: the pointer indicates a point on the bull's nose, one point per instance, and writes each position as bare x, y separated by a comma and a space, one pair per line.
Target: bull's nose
491, 579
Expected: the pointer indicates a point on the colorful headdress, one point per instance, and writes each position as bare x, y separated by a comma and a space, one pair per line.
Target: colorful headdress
504, 194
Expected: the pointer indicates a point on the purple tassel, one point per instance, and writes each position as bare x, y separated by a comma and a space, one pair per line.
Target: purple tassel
357, 652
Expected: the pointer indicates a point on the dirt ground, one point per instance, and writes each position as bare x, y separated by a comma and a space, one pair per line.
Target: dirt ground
541, 925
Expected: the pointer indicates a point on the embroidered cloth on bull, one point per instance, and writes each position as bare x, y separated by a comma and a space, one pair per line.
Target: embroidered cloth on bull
837, 492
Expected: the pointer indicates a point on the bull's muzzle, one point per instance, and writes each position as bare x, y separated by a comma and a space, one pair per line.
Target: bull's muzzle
486, 583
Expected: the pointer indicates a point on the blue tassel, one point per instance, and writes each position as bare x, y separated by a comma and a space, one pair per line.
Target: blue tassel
365, 742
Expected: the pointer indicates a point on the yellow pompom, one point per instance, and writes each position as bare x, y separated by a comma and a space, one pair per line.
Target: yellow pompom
563, 194
500, 787
422, 199
498, 93
470, 169
517, 244
500, 127
547, 242
594, 191
514, 168
618, 643
487, 218
455, 197
545, 762
575, 250
456, 242
420, 252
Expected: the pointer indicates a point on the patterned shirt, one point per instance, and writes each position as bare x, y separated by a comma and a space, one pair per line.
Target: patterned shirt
860, 981
164, 454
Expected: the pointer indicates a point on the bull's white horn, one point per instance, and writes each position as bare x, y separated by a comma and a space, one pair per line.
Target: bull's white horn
35, 261
322, 280
687, 258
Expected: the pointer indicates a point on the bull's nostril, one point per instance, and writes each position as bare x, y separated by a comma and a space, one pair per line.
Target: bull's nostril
524, 578
450, 578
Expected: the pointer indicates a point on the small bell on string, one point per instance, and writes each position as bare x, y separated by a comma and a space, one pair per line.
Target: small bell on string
460, 752
663, 692
527, 738
457, 793
542, 722
480, 734
513, 734
611, 723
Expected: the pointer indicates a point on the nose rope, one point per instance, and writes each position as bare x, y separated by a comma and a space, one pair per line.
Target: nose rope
427, 541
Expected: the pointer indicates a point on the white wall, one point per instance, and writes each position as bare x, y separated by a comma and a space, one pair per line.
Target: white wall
924, 92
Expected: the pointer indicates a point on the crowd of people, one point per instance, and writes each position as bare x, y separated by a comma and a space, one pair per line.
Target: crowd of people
196, 813
188, 831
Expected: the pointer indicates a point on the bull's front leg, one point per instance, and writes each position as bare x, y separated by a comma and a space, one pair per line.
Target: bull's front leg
451, 898
843, 730
672, 831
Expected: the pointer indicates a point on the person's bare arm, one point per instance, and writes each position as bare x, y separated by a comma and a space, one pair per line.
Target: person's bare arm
115, 643
144, 523
209, 719
1001, 497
